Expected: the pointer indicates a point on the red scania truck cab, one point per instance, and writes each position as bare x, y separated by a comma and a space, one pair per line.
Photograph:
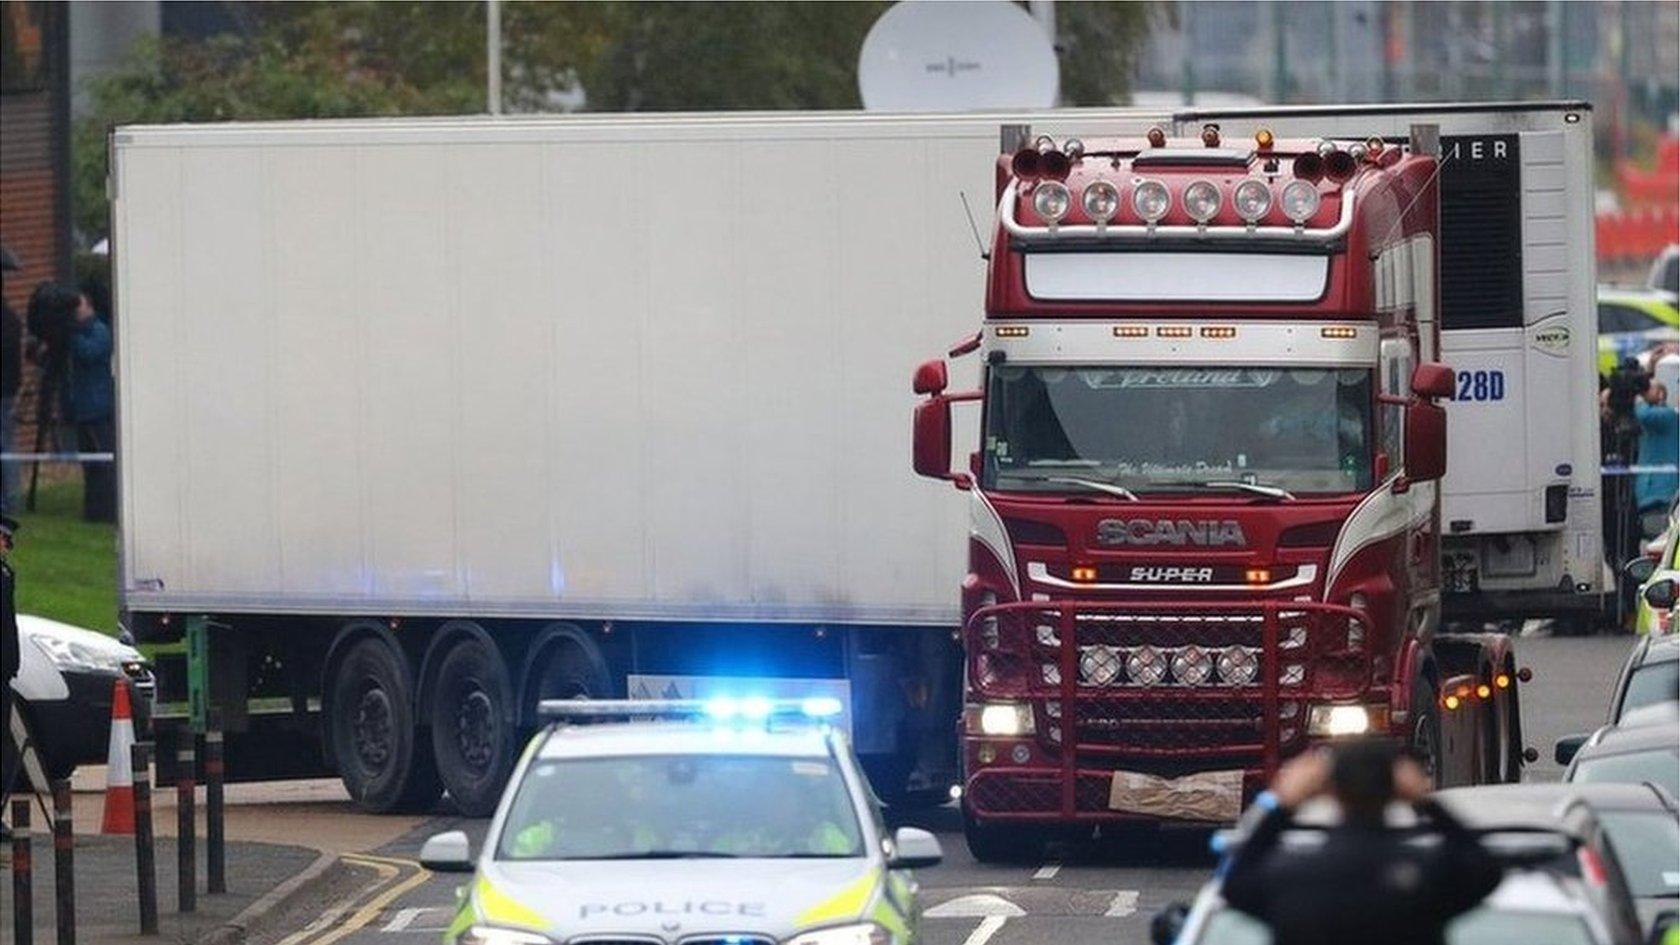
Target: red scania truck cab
1205, 521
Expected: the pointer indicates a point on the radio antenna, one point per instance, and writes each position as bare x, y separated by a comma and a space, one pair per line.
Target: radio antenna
979, 244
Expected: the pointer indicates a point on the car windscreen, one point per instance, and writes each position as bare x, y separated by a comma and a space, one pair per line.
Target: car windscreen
1659, 766
1651, 684
1647, 844
681, 806
1478, 927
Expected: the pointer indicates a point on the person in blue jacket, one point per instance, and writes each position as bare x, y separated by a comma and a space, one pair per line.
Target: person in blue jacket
90, 405
1659, 445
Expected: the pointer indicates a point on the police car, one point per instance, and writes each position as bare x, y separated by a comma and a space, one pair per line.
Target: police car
724, 822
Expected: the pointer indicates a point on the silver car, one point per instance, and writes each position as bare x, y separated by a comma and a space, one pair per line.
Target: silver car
742, 822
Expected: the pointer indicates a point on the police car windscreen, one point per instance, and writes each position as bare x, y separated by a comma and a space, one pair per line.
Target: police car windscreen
672, 807
1306, 430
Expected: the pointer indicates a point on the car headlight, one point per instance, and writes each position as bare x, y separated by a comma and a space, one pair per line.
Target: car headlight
863, 933
73, 655
494, 935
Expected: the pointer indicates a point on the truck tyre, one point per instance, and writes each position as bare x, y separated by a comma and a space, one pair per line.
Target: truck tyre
473, 734
381, 758
1424, 739
999, 843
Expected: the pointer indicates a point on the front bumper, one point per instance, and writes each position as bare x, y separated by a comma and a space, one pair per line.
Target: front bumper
76, 730
1173, 738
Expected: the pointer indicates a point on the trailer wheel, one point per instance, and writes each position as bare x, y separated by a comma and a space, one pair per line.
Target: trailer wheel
381, 759
1425, 737
1000, 843
473, 733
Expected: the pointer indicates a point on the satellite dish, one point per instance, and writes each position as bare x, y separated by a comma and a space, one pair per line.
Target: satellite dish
923, 56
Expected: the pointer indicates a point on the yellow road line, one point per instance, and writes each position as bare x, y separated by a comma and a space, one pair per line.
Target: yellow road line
372, 909
323, 922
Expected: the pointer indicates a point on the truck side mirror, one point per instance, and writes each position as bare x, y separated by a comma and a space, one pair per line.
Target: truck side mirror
1640, 569
1662, 594
1426, 441
931, 437
1432, 379
1567, 748
930, 377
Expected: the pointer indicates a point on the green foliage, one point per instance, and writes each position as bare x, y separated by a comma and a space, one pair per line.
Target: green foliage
347, 59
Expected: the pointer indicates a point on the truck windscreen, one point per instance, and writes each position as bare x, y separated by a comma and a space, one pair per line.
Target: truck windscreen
1305, 430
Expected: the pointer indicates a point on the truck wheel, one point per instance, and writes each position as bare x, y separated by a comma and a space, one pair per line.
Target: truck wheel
473, 734
381, 759
999, 843
1425, 737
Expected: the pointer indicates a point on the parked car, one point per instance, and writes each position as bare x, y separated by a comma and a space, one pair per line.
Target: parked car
1645, 749
1630, 321
1584, 866
64, 690
1657, 575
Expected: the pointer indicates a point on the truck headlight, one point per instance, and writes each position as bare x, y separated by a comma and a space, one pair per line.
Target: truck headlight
69, 655
495, 935
863, 933
999, 719
1336, 721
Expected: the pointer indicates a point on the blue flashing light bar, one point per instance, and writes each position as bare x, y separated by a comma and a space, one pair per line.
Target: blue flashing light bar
756, 709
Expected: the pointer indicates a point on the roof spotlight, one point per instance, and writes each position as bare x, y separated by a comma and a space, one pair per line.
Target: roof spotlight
1150, 198
1263, 139
1325, 148
1050, 201
1252, 198
1101, 201
1044, 143
1374, 146
1201, 200
1073, 148
1210, 135
1299, 201
1157, 138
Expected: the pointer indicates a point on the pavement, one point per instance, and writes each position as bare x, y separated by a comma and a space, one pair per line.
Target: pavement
364, 887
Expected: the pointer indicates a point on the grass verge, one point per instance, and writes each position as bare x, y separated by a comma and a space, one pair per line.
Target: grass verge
66, 567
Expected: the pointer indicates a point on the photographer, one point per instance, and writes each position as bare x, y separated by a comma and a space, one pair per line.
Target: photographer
1659, 441
1366, 883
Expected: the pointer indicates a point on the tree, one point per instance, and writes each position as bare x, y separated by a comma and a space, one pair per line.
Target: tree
351, 59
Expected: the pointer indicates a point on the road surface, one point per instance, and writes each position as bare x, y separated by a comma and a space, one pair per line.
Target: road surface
1098, 893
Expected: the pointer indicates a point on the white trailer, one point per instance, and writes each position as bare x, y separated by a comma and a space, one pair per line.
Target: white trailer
1522, 498
429, 419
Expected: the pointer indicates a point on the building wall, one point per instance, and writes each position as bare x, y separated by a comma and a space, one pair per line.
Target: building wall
34, 145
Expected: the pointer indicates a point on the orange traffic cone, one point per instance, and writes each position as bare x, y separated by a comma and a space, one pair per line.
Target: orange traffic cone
119, 768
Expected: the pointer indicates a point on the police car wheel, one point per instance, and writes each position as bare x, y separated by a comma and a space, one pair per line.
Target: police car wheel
380, 757
1425, 739
473, 733
1000, 843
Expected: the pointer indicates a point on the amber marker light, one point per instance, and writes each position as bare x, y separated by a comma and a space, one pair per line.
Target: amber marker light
1131, 331
1219, 331
1258, 575
1338, 331
1502, 680
1011, 331
1084, 573
1263, 139
1451, 702
1483, 691
1173, 331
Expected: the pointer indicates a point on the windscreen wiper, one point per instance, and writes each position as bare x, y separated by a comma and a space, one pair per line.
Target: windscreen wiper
1107, 487
1270, 492
663, 855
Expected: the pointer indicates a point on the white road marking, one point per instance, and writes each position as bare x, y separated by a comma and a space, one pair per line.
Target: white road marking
987, 928
977, 906
1124, 904
404, 918
1048, 871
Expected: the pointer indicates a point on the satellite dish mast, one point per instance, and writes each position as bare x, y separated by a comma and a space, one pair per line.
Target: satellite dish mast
960, 55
